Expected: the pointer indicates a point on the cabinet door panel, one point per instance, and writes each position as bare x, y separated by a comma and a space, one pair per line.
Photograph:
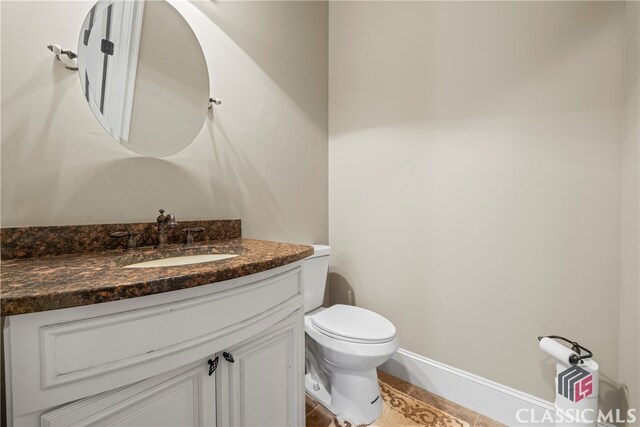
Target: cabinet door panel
178, 398
263, 386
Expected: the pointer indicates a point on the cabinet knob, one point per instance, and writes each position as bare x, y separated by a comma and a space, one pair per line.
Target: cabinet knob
213, 365
228, 357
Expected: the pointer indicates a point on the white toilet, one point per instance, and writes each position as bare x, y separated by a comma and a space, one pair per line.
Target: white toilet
344, 346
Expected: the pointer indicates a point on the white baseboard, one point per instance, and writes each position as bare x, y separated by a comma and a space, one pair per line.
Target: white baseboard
479, 394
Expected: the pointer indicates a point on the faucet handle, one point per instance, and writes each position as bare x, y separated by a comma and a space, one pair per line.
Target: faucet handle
189, 237
132, 243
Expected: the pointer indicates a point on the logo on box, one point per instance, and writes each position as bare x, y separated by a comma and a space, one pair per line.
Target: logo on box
575, 383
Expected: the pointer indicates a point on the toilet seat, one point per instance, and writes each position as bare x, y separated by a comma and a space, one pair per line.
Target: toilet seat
345, 353
353, 324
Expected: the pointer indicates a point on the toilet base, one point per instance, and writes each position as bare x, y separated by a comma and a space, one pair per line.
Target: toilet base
355, 395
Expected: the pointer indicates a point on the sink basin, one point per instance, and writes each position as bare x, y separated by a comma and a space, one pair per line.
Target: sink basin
180, 260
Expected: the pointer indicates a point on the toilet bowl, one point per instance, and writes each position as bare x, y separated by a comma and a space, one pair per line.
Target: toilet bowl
343, 347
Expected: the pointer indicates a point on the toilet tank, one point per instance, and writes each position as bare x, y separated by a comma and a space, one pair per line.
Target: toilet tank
314, 277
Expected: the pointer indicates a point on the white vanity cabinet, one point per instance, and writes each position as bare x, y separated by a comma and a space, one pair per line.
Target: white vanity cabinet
184, 397
144, 361
260, 387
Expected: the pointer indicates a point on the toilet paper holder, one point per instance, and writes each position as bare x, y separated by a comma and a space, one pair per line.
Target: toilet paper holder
573, 359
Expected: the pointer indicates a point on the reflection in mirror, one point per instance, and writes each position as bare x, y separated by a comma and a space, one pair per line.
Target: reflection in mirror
143, 74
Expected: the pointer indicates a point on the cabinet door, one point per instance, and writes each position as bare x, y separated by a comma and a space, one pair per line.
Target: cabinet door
263, 385
184, 397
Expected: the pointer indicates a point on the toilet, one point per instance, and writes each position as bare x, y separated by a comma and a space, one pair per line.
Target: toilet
343, 347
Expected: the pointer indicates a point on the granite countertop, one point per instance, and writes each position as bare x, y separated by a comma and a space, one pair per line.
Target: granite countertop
61, 281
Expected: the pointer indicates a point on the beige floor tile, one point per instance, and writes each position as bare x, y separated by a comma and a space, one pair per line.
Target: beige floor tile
309, 403
487, 422
395, 382
444, 405
319, 417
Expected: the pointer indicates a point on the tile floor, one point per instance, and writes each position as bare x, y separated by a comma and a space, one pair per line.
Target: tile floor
318, 416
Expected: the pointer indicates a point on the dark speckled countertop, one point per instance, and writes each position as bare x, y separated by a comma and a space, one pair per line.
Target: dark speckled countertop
53, 282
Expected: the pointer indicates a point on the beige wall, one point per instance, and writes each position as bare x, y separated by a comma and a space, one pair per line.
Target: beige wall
474, 184
261, 156
630, 231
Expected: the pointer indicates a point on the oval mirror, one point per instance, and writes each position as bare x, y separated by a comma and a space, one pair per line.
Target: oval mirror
144, 75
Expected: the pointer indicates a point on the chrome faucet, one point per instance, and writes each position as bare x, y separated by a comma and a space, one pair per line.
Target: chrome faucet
164, 221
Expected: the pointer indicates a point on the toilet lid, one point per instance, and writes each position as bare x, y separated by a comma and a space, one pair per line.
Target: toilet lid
349, 323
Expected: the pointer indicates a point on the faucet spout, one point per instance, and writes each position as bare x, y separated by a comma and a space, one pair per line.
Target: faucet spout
170, 220
164, 221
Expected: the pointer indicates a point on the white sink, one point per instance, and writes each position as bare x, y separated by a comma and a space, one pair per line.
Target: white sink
180, 260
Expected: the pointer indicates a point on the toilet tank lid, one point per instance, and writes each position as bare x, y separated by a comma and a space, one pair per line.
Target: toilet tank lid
320, 250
